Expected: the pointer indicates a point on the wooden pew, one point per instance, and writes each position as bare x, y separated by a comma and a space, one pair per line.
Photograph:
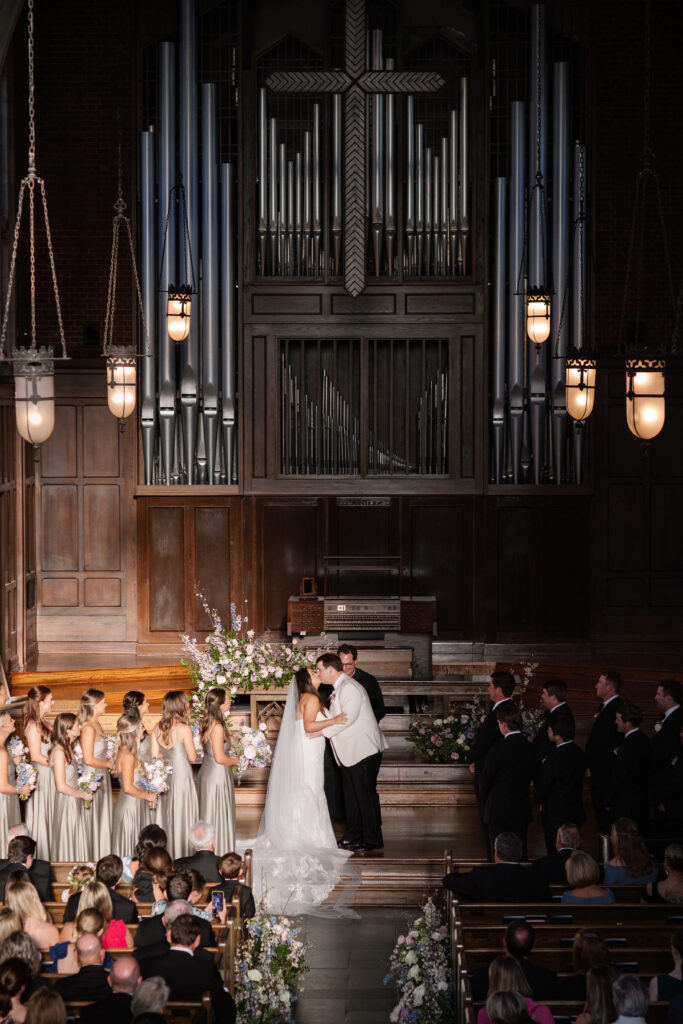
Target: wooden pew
632, 961
579, 915
566, 1011
176, 1013
554, 936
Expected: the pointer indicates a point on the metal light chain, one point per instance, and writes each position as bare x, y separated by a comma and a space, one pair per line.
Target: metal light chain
539, 39
582, 228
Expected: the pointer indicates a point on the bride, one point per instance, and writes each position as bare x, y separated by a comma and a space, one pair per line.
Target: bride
296, 860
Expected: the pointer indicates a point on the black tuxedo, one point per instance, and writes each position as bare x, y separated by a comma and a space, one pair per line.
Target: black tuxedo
672, 796
152, 930
115, 1009
205, 862
498, 883
542, 745
157, 949
559, 789
371, 687
543, 983
40, 878
124, 909
247, 907
188, 978
90, 983
553, 868
666, 745
504, 787
487, 737
600, 745
626, 795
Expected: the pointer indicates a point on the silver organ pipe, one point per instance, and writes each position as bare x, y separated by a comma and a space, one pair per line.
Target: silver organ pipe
290, 217
463, 213
428, 209
189, 387
377, 202
443, 217
419, 194
210, 258
168, 270
307, 203
436, 186
262, 178
337, 212
578, 320
228, 322
516, 324
148, 274
453, 140
410, 184
537, 235
282, 217
317, 188
299, 213
499, 324
390, 172
560, 309
272, 193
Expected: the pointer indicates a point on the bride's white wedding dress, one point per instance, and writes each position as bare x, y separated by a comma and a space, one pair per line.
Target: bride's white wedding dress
296, 860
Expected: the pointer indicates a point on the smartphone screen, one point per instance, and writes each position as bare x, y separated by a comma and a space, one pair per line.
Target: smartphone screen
217, 902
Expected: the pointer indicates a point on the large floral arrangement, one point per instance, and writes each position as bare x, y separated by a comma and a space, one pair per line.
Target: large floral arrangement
268, 971
252, 749
236, 661
420, 969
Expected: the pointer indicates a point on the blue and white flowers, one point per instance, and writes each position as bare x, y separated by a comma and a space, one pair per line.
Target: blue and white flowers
268, 971
420, 969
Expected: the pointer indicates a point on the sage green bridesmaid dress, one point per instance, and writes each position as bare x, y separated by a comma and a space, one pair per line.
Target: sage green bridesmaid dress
178, 809
10, 810
98, 818
69, 826
40, 808
131, 815
217, 799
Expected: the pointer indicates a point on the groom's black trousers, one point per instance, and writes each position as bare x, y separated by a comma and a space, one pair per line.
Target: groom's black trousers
363, 817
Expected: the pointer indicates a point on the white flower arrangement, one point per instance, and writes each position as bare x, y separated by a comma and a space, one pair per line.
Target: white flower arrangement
252, 749
268, 971
154, 776
420, 969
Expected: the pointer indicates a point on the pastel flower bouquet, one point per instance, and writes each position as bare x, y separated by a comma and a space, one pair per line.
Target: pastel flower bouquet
15, 748
446, 739
155, 775
26, 779
89, 781
420, 969
269, 969
252, 749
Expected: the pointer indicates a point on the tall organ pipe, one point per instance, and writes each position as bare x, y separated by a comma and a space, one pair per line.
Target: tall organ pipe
453, 191
210, 378
578, 324
317, 186
272, 197
499, 323
188, 169
337, 179
168, 271
262, 177
419, 193
560, 309
148, 273
516, 327
536, 270
228, 320
463, 216
377, 155
410, 183
390, 176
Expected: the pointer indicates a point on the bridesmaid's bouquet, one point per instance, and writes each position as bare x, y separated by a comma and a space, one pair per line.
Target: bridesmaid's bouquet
111, 747
155, 774
26, 778
197, 740
15, 748
251, 748
89, 781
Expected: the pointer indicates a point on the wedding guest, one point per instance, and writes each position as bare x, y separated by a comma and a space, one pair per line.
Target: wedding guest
116, 1008
559, 785
37, 731
588, 951
151, 935
95, 896
518, 942
9, 922
552, 868
14, 977
90, 982
94, 747
172, 740
22, 897
627, 791
136, 704
180, 885
155, 860
69, 831
554, 701
504, 881
150, 997
150, 836
10, 811
601, 742
45, 1007
506, 975
630, 1000
40, 872
507, 1008
670, 889
666, 740
501, 688
231, 871
665, 987
631, 862
20, 858
20, 945
599, 1005
133, 808
108, 871
583, 876
215, 784
505, 780
63, 954
204, 859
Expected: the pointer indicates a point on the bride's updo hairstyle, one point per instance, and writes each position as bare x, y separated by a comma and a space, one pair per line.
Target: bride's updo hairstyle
304, 685
175, 707
213, 702
88, 701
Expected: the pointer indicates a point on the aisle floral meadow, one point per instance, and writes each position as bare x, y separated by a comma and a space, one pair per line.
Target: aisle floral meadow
269, 969
420, 969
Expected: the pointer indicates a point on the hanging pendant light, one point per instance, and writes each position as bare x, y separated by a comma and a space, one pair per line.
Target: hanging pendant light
538, 317
178, 312
179, 302
121, 359
580, 375
538, 295
645, 401
581, 367
32, 367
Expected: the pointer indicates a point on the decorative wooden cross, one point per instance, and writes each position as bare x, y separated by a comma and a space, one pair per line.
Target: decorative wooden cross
354, 82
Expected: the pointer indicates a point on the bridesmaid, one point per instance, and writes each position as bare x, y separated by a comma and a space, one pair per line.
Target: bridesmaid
134, 703
172, 740
133, 809
10, 812
69, 830
215, 783
40, 808
94, 747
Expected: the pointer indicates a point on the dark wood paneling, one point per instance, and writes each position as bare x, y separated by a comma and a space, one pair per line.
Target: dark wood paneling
58, 453
441, 302
59, 527
101, 527
99, 592
289, 546
101, 452
625, 523
666, 508
345, 305
166, 565
293, 303
212, 562
517, 585
364, 528
441, 563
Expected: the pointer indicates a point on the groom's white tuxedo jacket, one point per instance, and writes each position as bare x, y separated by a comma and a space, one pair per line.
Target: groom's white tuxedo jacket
360, 736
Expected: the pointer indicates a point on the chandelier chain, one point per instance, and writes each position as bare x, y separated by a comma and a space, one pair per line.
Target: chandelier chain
31, 96
539, 41
582, 231
53, 269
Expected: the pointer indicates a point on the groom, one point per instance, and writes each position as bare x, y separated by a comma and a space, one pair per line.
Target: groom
357, 746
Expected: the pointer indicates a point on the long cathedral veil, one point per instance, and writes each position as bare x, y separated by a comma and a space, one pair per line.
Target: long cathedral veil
296, 868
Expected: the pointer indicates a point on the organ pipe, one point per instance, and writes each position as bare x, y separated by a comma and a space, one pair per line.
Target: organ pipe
210, 330
228, 321
188, 170
390, 172
377, 217
168, 270
537, 259
262, 178
578, 322
337, 179
463, 215
148, 274
516, 328
410, 184
499, 324
560, 309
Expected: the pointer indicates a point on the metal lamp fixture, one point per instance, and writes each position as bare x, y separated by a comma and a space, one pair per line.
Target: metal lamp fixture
580, 375
32, 367
645, 401
121, 359
538, 295
580, 366
179, 304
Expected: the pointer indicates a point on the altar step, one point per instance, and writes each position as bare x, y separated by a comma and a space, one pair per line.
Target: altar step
392, 881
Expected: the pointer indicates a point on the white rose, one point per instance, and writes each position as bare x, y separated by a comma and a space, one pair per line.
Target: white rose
263, 727
442, 986
414, 972
254, 975
285, 998
419, 991
411, 957
438, 722
250, 752
221, 680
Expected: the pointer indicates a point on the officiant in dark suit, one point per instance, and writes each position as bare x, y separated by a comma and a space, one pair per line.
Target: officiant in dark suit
604, 737
559, 785
501, 688
504, 783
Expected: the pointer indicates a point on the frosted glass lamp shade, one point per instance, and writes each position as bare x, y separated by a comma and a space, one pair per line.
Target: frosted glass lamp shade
580, 377
645, 401
121, 381
538, 318
178, 310
34, 395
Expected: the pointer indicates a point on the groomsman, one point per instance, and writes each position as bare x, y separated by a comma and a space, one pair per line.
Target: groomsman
626, 795
666, 741
504, 783
501, 688
604, 737
559, 786
670, 807
348, 655
554, 700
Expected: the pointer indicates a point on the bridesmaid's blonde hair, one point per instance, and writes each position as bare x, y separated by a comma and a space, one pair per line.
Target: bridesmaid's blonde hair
89, 699
175, 707
95, 896
127, 735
